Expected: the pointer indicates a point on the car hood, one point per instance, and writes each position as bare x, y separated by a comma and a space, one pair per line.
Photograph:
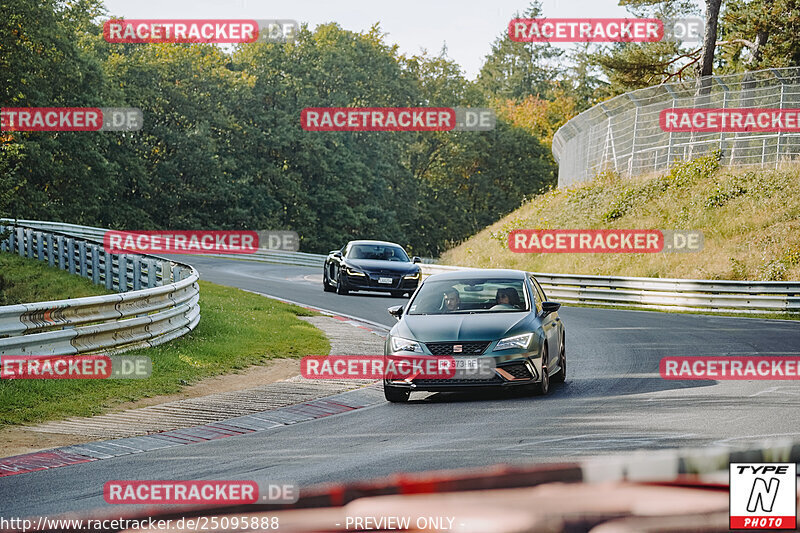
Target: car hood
474, 327
383, 267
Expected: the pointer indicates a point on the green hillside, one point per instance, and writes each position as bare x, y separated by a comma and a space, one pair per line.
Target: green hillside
750, 219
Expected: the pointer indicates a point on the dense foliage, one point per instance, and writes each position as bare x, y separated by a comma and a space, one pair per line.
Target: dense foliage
222, 146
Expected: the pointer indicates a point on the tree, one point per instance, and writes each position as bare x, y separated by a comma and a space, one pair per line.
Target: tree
706, 65
582, 79
222, 146
538, 116
60, 176
630, 66
516, 69
760, 33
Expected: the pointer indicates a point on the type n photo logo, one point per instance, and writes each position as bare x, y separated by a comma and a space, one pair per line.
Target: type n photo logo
763, 496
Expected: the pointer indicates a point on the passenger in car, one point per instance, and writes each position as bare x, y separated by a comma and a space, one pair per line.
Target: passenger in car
507, 298
513, 298
502, 297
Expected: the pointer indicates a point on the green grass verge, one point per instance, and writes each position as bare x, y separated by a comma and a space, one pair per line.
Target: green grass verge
237, 329
24, 280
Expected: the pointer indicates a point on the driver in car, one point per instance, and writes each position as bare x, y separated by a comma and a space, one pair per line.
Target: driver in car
452, 300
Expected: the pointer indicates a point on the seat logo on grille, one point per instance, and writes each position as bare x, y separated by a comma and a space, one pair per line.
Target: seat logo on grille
457, 348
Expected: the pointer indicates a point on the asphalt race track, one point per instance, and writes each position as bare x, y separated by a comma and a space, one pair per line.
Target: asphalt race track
613, 402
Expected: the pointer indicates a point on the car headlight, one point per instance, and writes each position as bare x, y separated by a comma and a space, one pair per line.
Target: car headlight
517, 341
415, 275
353, 272
400, 344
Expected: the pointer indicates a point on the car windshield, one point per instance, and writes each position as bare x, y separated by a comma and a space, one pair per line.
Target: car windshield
487, 295
381, 252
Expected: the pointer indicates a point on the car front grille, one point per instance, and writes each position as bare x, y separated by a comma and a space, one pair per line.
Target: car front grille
467, 348
494, 380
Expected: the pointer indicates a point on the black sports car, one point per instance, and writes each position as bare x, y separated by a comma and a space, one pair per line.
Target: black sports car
371, 266
475, 317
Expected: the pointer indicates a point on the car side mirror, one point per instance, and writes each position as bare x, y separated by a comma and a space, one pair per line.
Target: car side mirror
396, 311
416, 259
550, 307
337, 254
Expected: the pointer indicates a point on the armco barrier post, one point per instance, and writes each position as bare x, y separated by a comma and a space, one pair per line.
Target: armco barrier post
165, 273
95, 265
71, 255
21, 242
137, 273
51, 258
122, 273
108, 264
152, 278
39, 245
82, 258
60, 252
29, 243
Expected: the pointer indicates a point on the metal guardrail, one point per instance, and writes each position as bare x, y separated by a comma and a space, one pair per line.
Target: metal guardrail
267, 256
624, 134
666, 293
157, 300
612, 291
607, 291
283, 258
90, 233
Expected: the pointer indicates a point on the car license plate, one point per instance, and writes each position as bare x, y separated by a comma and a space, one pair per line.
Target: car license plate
461, 363
384, 280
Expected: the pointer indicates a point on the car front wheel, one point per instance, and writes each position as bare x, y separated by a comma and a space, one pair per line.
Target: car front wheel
543, 387
561, 376
341, 288
326, 284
